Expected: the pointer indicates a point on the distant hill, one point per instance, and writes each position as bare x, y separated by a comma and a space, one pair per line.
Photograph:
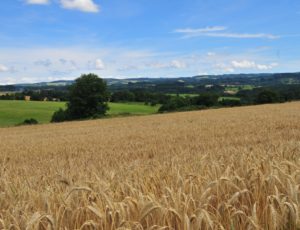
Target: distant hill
173, 84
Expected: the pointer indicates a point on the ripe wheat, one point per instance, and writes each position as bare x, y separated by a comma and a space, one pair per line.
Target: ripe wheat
233, 168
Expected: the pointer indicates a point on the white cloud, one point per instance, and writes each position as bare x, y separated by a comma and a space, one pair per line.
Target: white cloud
211, 54
178, 64
99, 64
38, 2
3, 68
246, 64
242, 35
200, 30
82, 5
220, 31
71, 62
266, 67
175, 64
224, 68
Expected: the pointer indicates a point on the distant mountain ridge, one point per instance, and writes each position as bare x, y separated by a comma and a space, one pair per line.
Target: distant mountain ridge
262, 79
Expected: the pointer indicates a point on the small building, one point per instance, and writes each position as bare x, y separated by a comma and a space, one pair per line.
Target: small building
27, 98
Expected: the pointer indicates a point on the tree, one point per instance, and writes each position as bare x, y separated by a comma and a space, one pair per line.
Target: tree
88, 97
206, 99
267, 96
175, 103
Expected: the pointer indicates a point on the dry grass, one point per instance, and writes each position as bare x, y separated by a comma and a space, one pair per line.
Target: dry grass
218, 169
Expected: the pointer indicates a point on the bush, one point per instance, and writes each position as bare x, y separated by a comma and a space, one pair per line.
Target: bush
59, 116
30, 121
230, 102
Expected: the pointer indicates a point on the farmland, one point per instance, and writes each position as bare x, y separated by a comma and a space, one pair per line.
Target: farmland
15, 112
234, 168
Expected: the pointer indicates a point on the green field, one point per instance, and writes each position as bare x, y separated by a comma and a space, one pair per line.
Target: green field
15, 112
238, 88
183, 94
229, 98
131, 108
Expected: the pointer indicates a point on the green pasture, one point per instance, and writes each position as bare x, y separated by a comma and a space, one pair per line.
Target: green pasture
15, 112
229, 98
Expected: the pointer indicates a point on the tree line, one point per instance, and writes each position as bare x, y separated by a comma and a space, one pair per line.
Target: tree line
88, 98
262, 95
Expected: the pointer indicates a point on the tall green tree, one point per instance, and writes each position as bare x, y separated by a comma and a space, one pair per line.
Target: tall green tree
88, 97
267, 96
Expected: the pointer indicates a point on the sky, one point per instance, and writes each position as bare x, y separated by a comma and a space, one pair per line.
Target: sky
47, 40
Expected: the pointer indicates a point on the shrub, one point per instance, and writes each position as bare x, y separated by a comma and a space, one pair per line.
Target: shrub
230, 102
30, 121
59, 116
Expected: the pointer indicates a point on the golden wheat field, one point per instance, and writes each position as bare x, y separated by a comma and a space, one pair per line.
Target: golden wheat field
235, 168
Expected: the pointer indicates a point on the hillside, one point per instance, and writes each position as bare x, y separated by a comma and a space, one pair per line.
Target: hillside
14, 112
174, 85
234, 168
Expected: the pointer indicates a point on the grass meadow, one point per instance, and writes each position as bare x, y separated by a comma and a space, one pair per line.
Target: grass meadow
236, 168
15, 112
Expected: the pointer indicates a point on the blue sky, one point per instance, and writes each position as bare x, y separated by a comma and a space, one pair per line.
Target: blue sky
46, 40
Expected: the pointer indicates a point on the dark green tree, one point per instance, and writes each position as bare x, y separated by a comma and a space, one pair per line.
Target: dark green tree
88, 98
206, 99
267, 96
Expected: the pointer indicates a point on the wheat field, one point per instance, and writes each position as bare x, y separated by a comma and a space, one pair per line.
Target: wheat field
236, 168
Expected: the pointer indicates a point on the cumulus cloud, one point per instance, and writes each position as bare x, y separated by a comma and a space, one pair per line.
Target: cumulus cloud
234, 65
38, 2
266, 67
99, 64
224, 68
221, 31
82, 5
3, 68
246, 64
71, 62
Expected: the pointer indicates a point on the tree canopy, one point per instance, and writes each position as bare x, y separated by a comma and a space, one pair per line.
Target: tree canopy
88, 97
